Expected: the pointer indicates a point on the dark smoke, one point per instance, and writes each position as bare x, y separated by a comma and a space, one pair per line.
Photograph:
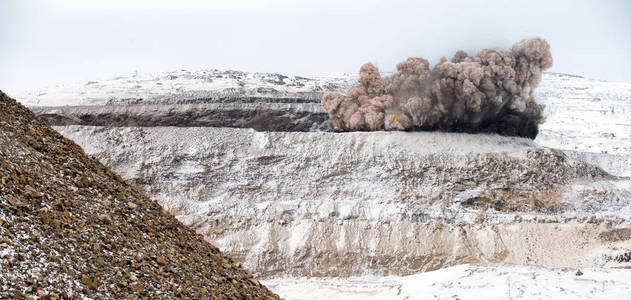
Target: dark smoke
491, 91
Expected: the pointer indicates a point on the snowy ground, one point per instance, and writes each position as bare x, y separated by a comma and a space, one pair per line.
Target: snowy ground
466, 282
590, 119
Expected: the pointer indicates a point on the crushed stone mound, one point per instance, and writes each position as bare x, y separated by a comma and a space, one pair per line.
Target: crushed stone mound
72, 228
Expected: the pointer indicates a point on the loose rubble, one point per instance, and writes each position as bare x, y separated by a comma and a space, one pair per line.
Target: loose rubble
71, 228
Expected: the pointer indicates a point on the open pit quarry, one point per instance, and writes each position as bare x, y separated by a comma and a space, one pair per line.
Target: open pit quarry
248, 161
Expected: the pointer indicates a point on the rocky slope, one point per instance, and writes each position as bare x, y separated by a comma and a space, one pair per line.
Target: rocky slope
315, 203
71, 228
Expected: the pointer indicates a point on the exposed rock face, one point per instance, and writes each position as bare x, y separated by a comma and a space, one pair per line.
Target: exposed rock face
325, 204
260, 116
71, 228
266, 102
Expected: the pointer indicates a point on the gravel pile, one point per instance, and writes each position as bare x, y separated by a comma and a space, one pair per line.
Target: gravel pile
72, 228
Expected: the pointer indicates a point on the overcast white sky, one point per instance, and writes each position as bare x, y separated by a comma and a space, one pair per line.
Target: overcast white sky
49, 42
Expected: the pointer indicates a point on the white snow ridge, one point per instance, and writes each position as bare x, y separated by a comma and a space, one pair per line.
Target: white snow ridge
247, 160
466, 282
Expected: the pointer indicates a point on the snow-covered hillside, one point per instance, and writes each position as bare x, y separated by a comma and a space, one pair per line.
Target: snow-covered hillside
182, 86
590, 118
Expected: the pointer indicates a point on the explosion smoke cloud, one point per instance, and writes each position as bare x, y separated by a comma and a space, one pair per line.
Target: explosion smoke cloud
491, 91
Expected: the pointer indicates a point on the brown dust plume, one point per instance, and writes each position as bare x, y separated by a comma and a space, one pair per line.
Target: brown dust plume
491, 91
